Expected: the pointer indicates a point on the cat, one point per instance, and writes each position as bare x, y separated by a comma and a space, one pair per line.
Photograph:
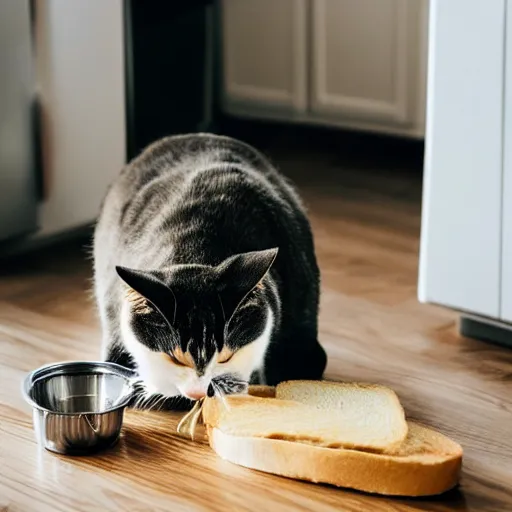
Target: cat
205, 274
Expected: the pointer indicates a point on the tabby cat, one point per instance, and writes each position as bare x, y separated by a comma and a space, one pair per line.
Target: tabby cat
205, 272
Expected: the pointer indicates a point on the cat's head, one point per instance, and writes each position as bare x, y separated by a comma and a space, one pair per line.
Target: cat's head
194, 329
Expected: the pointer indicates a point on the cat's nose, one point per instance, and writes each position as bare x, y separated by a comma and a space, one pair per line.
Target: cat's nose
194, 393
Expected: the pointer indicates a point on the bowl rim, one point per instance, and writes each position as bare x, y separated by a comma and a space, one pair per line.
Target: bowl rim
51, 370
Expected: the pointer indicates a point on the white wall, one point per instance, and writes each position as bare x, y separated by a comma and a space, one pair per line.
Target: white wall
506, 256
80, 75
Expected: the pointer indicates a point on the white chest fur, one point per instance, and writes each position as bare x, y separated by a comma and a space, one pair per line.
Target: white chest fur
160, 375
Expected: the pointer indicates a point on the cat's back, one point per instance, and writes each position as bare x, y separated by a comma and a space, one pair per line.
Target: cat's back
181, 158
187, 169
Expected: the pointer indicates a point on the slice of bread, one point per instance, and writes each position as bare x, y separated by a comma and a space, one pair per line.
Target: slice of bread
343, 396
355, 416
241, 429
427, 463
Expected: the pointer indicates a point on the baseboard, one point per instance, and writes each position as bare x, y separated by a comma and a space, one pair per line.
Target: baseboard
25, 246
485, 329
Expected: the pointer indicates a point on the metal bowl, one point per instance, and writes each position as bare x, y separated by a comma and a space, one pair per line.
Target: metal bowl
78, 406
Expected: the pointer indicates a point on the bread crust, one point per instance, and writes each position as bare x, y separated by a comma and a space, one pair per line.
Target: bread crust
262, 391
408, 475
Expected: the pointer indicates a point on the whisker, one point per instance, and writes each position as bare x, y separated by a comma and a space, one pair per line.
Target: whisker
139, 400
160, 402
220, 393
154, 401
145, 403
151, 402
222, 307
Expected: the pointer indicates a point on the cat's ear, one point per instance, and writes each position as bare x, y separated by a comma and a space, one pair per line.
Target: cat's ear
152, 289
240, 274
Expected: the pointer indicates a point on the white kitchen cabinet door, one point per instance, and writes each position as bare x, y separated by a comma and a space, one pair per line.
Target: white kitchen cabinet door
460, 254
368, 60
506, 234
264, 54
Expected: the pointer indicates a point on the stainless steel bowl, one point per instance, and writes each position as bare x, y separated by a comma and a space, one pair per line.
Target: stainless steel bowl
78, 406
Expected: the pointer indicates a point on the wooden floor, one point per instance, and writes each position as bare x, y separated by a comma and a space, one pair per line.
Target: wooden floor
365, 210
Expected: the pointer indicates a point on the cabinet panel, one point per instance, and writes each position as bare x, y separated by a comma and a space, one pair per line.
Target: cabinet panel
364, 69
461, 222
264, 53
506, 259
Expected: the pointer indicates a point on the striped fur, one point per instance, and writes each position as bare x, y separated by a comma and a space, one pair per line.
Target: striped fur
217, 253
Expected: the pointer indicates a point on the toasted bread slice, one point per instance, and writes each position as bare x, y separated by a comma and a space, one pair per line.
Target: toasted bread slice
343, 396
426, 464
355, 416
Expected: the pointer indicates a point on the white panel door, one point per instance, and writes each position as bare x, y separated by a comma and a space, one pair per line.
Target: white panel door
461, 222
506, 271
366, 58
264, 54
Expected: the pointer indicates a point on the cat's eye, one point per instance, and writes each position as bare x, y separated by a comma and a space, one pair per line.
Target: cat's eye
175, 361
180, 358
225, 356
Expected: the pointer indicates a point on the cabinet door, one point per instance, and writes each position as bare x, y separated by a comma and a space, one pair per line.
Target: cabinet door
264, 54
367, 58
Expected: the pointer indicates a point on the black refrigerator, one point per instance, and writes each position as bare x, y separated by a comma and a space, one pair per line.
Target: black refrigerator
170, 59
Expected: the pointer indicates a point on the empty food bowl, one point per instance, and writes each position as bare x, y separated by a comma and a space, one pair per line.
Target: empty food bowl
78, 406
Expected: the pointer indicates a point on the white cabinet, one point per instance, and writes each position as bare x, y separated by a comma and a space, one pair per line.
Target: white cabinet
466, 236
349, 63
365, 60
264, 53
